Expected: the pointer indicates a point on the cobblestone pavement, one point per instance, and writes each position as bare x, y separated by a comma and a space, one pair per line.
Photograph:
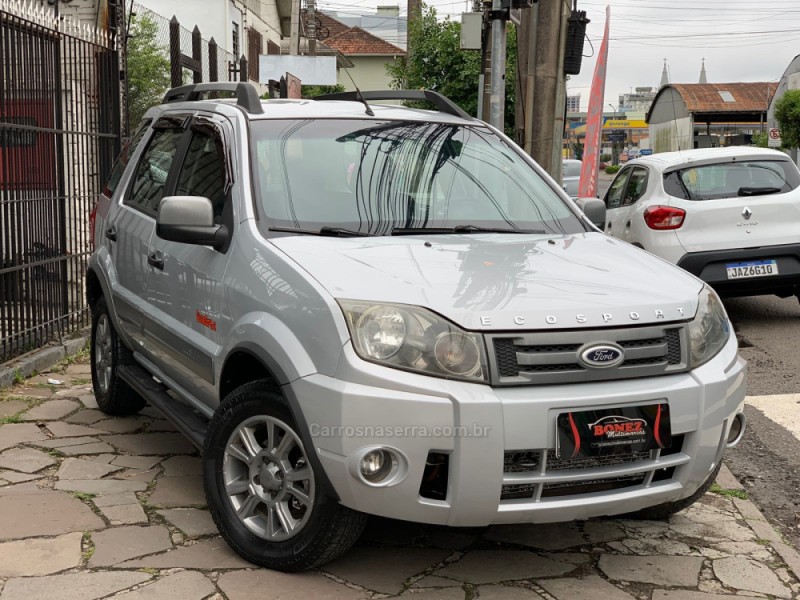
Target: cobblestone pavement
96, 507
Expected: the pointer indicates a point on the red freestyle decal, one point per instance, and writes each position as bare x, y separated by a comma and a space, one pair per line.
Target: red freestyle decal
206, 321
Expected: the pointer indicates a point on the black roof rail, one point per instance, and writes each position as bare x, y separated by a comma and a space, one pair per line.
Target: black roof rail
246, 94
443, 103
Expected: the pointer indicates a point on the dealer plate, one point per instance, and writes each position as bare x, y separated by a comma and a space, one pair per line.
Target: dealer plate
753, 268
612, 431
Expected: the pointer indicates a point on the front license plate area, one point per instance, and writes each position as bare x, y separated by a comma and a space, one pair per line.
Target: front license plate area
753, 268
613, 431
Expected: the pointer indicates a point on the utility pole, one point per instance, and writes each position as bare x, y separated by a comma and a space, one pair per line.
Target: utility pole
497, 96
414, 10
294, 30
526, 67
312, 27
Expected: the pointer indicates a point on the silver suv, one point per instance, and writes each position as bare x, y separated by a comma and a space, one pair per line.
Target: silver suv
358, 309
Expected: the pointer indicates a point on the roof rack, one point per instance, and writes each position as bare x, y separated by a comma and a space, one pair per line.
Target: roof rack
443, 103
246, 94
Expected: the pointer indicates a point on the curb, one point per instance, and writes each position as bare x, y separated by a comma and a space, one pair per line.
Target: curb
39, 360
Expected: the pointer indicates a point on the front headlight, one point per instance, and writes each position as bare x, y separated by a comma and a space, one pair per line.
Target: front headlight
709, 330
415, 339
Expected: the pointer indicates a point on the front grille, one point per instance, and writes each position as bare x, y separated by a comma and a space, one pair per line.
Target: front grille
537, 475
553, 357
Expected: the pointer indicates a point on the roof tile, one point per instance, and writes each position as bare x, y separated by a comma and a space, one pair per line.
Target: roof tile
716, 97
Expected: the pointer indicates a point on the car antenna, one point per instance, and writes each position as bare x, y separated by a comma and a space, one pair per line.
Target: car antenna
359, 95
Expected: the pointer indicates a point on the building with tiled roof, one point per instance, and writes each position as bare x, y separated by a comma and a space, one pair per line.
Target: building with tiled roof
704, 115
368, 53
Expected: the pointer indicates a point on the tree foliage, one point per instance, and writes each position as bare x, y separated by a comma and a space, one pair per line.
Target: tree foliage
312, 91
787, 113
761, 140
148, 68
436, 62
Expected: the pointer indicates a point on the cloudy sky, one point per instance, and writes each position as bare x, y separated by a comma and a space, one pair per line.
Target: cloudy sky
741, 40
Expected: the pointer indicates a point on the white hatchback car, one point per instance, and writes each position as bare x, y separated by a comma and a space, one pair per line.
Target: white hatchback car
727, 215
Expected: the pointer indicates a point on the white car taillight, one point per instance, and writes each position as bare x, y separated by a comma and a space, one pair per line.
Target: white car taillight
664, 217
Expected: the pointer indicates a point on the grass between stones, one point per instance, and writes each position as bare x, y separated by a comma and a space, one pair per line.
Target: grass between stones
717, 489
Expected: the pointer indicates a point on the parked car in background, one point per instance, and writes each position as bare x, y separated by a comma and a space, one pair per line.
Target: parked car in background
571, 176
728, 215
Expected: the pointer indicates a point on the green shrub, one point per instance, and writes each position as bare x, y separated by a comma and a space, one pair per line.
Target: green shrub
611, 169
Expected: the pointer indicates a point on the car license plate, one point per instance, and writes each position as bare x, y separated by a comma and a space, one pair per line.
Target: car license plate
613, 431
755, 268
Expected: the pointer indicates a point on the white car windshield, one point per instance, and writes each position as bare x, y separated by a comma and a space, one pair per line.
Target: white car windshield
391, 177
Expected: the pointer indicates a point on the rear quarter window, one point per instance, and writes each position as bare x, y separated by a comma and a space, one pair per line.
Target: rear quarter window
732, 180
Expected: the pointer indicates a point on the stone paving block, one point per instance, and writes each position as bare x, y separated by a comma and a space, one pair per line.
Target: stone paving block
79, 369
40, 556
591, 586
88, 400
178, 466
103, 458
12, 407
136, 462
502, 592
742, 573
449, 594
114, 546
239, 585
688, 595
23, 489
32, 392
207, 554
121, 424
14, 477
100, 486
59, 443
51, 410
171, 492
383, 569
137, 475
556, 536
191, 521
186, 585
74, 586
115, 499
60, 429
86, 449
492, 566
432, 581
78, 468
681, 571
151, 443
161, 425
18, 433
86, 417
44, 513
124, 514
26, 460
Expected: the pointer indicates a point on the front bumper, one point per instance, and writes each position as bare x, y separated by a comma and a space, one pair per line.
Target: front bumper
710, 267
415, 415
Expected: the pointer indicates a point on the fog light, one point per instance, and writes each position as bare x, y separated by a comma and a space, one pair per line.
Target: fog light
376, 465
736, 431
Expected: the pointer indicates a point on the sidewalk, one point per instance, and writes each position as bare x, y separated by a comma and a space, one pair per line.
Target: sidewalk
94, 507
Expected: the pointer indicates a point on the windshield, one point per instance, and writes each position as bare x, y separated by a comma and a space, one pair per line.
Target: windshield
731, 180
380, 177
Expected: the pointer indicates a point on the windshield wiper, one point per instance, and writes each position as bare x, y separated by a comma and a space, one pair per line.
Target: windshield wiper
323, 231
758, 191
461, 229
341, 232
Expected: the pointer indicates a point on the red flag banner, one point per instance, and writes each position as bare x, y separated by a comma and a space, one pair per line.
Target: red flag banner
587, 187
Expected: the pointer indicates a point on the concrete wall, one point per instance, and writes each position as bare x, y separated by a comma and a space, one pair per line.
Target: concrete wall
369, 73
672, 135
668, 107
215, 18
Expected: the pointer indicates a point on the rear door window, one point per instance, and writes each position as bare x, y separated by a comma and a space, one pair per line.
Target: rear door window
124, 157
732, 180
153, 169
203, 171
636, 186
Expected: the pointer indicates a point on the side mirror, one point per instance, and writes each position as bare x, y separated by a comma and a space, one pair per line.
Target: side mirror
190, 220
595, 211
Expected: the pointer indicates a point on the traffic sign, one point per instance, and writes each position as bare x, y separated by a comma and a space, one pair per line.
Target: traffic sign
774, 138
645, 152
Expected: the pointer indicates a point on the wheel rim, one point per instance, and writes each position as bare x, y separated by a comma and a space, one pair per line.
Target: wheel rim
103, 358
268, 479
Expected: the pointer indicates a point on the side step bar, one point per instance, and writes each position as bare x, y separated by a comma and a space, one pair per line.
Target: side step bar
190, 423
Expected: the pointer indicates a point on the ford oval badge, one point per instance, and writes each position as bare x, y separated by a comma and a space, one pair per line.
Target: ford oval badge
602, 356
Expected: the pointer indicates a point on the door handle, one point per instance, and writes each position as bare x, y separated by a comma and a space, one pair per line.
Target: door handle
111, 233
156, 260
609, 225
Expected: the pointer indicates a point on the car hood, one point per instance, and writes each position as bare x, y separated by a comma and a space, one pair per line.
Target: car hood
501, 281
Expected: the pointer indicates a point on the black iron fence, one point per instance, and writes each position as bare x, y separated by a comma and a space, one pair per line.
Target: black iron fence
59, 135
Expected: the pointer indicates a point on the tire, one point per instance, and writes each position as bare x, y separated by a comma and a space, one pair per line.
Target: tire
662, 512
288, 524
113, 395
